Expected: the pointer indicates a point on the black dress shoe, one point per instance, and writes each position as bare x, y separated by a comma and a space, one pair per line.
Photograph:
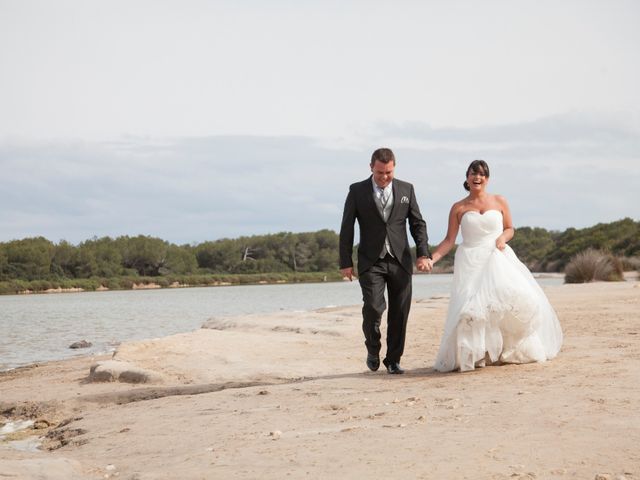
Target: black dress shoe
373, 362
394, 368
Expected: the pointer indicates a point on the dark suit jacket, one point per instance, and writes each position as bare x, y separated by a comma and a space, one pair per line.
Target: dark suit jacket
361, 205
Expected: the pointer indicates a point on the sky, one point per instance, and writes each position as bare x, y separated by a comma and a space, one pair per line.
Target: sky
199, 120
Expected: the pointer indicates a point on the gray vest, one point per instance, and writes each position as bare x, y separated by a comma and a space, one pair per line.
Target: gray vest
385, 211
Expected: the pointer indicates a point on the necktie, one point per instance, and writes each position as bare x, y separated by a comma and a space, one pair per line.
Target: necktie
383, 198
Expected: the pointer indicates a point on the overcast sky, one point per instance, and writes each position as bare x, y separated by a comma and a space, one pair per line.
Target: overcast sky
197, 120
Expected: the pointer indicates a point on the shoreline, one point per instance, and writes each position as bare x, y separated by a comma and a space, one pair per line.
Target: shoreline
102, 347
105, 345
288, 393
157, 286
153, 285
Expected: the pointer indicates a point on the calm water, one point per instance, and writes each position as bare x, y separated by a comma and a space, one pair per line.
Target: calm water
36, 328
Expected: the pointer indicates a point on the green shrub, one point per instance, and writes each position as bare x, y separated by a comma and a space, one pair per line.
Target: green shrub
39, 285
7, 288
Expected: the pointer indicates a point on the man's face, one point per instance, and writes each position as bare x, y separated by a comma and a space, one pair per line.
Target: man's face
382, 173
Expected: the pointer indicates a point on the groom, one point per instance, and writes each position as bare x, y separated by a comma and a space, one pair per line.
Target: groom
383, 206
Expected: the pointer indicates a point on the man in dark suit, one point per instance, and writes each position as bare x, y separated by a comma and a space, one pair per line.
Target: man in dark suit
383, 206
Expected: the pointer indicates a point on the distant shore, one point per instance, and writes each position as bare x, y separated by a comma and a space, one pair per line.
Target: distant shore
23, 287
152, 283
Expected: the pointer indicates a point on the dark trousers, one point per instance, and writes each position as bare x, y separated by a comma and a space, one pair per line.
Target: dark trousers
387, 272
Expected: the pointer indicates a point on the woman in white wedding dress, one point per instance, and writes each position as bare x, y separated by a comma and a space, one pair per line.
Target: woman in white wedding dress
497, 311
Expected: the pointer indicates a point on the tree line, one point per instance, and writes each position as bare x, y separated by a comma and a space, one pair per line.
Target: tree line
550, 251
38, 263
120, 262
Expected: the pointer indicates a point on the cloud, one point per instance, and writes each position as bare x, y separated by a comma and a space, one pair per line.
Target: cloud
183, 190
590, 131
561, 171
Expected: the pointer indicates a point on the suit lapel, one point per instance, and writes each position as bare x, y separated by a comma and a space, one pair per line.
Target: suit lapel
394, 189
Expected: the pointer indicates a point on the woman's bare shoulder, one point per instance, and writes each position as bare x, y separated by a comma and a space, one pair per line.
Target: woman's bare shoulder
459, 205
458, 208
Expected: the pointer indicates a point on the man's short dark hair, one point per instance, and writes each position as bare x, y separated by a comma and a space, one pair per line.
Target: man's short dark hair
384, 155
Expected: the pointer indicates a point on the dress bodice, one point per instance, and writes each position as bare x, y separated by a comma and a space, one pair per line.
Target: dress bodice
480, 228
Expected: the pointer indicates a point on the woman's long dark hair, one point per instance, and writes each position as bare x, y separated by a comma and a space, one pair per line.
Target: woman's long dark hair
477, 166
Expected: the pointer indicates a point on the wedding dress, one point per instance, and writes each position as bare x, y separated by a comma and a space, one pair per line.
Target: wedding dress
497, 309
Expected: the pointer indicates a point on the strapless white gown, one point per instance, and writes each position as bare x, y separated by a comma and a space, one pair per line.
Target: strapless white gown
496, 306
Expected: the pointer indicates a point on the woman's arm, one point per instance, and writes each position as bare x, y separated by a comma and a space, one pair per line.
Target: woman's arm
507, 225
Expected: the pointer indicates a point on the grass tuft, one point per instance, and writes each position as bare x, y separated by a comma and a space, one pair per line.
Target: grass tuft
593, 266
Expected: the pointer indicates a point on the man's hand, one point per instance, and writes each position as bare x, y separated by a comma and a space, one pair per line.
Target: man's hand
424, 264
347, 272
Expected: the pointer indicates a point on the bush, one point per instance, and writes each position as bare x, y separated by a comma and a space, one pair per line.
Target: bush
593, 265
40, 285
7, 288
629, 264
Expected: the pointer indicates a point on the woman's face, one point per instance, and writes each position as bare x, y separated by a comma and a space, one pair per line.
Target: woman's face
477, 180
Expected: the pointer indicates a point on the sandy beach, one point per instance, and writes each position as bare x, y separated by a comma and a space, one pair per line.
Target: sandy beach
288, 395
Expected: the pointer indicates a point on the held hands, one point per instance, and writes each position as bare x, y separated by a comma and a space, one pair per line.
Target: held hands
424, 264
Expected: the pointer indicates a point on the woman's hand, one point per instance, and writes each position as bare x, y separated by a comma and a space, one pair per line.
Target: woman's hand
500, 243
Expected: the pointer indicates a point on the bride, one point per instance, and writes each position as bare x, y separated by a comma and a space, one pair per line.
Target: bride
497, 311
